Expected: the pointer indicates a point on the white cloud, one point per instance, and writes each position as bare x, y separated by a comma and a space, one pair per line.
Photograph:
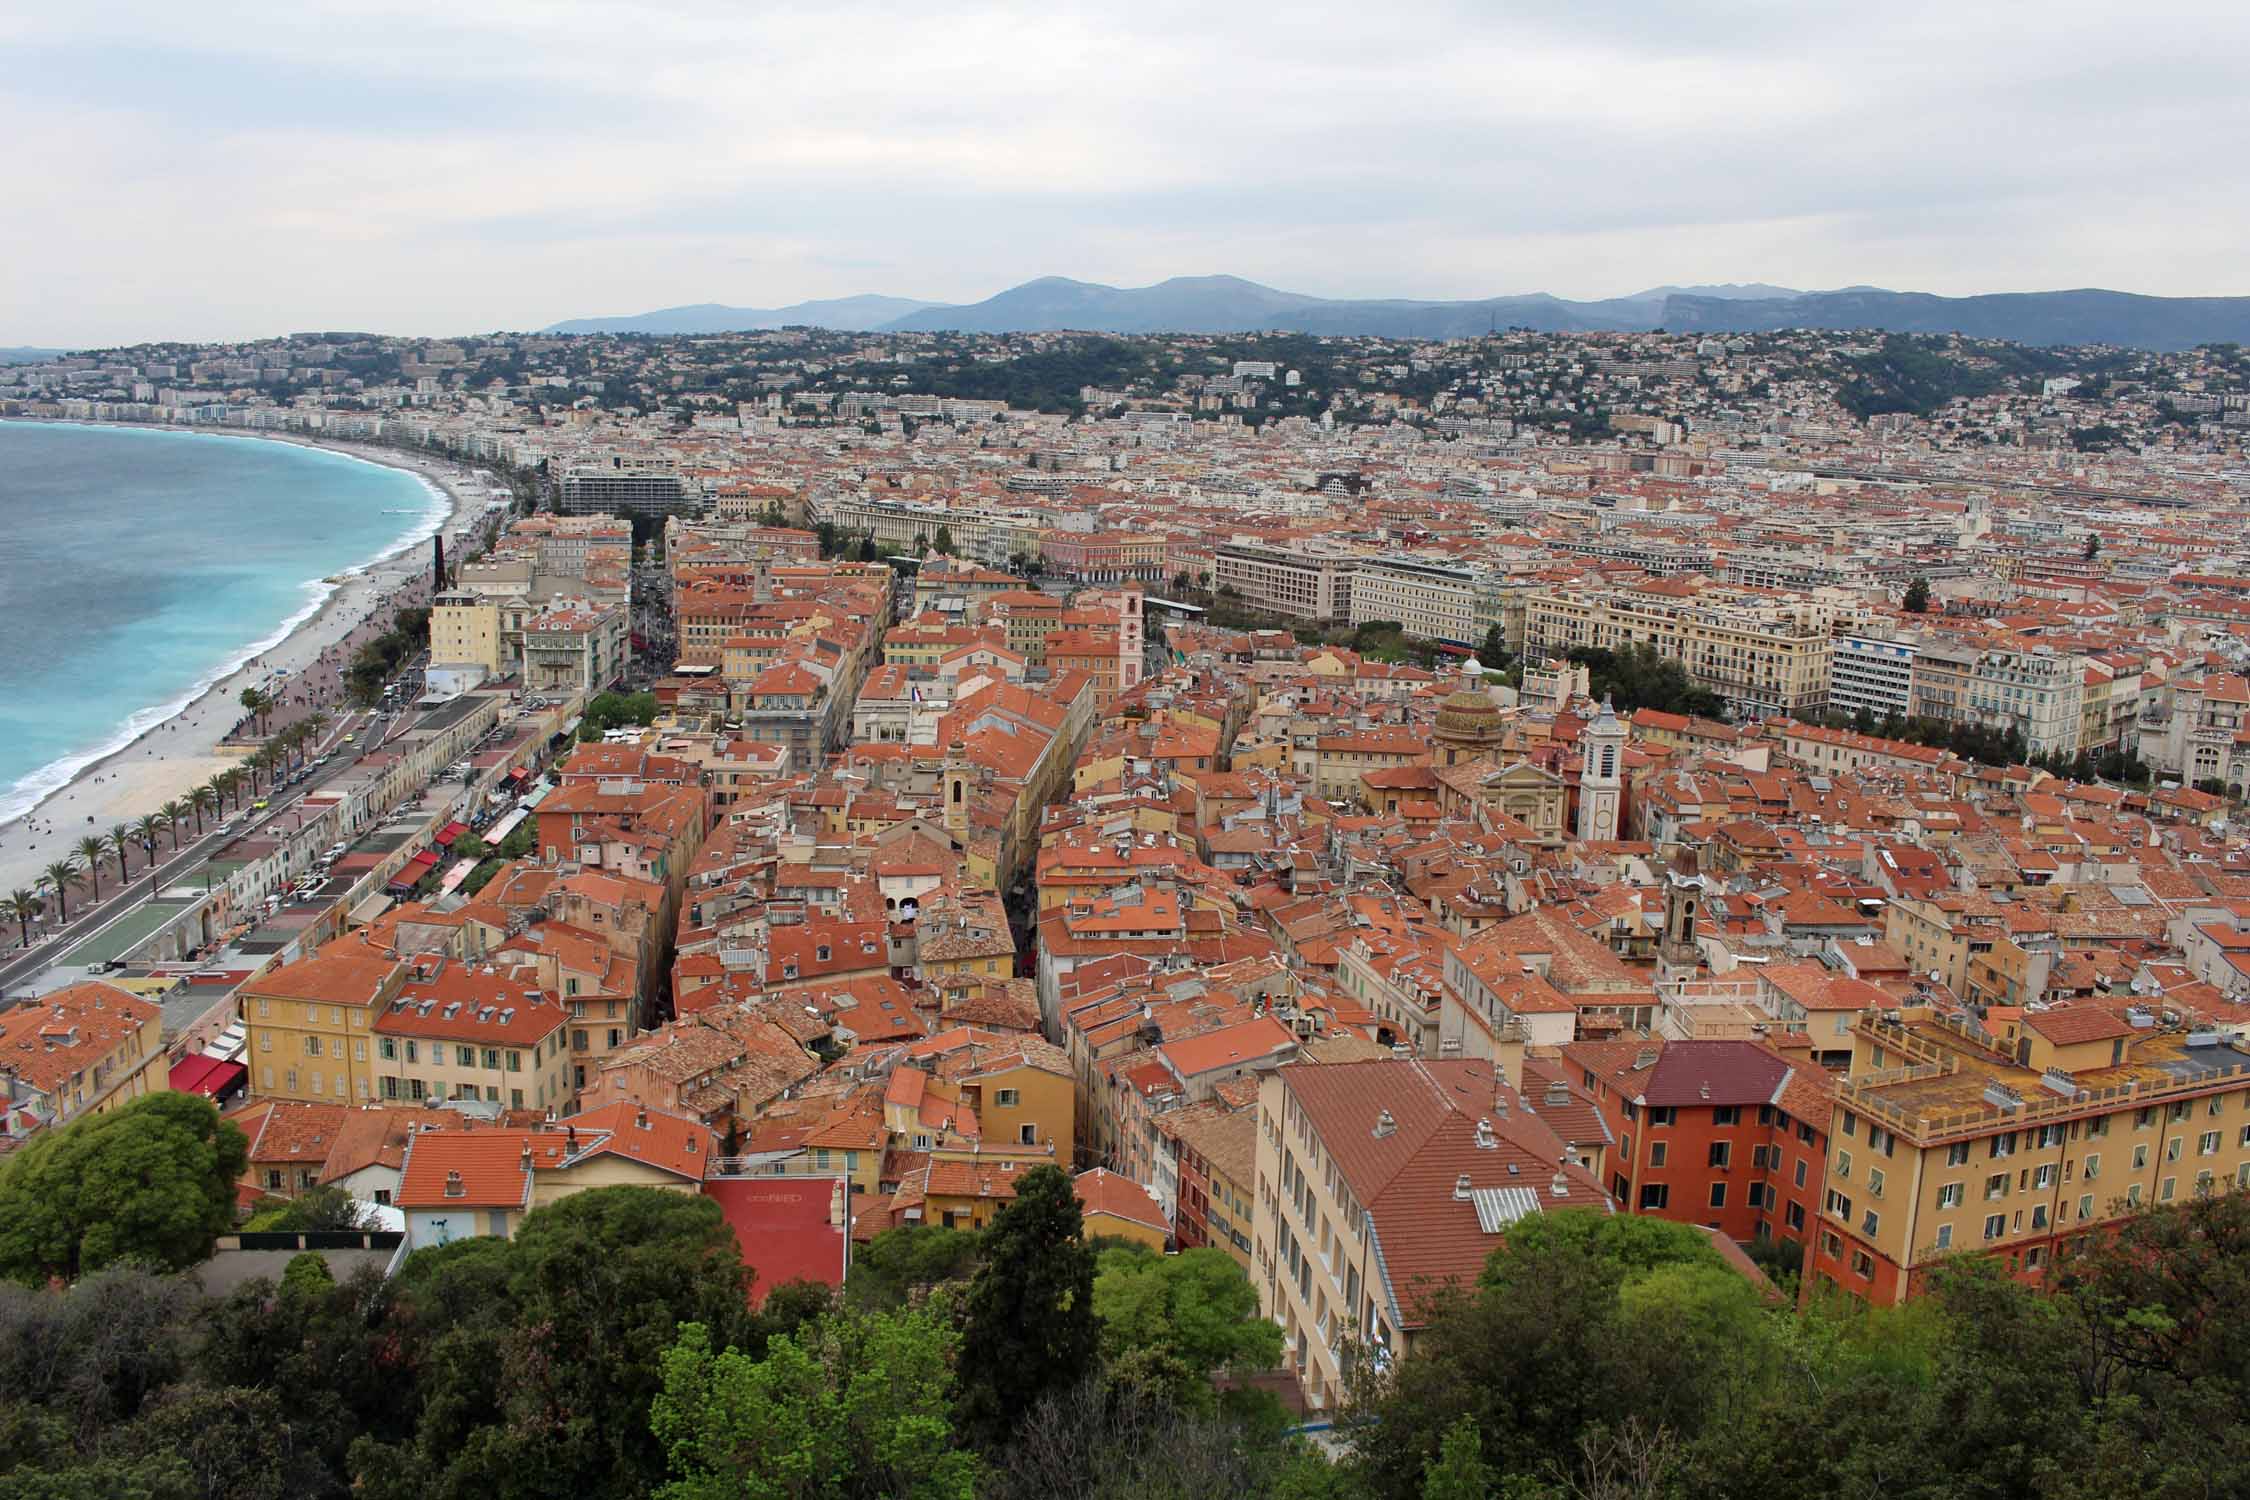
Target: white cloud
221, 170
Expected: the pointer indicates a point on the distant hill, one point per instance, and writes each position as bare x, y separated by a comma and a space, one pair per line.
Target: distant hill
851, 314
25, 355
1229, 304
2076, 317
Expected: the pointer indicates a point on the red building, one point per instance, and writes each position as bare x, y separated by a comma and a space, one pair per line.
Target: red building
1729, 1135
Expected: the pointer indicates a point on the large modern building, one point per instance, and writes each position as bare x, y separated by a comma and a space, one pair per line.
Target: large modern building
1299, 582
642, 488
2038, 693
1870, 674
1433, 600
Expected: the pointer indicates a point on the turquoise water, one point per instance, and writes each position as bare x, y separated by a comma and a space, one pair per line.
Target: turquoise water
138, 567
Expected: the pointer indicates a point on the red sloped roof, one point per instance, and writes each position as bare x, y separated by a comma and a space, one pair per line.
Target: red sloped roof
783, 1226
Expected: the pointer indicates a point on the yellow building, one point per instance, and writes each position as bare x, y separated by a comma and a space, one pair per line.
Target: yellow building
81, 1050
1766, 655
1947, 1137
1944, 934
463, 628
1118, 1208
1021, 1090
310, 1025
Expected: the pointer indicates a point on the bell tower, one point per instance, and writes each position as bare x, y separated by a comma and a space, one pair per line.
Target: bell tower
1601, 776
1677, 957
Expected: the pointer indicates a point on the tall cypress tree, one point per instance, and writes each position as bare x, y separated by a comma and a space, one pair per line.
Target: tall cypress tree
1031, 1328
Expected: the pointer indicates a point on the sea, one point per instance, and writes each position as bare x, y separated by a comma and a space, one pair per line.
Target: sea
138, 567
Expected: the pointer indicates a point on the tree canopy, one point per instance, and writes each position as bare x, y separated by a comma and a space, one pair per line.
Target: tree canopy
151, 1181
1030, 1310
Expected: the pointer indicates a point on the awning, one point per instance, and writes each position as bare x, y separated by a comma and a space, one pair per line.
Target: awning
519, 774
450, 832
452, 878
367, 911
425, 859
208, 1076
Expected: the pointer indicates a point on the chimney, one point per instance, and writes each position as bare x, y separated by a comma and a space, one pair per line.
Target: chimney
640, 1119
570, 1139
1560, 1187
1461, 1188
1485, 1139
1703, 1091
1385, 1126
454, 1186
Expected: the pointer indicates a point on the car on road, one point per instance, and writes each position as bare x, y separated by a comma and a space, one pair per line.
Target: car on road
260, 806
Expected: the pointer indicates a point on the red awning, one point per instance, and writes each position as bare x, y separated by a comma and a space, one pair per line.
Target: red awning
425, 859
519, 774
450, 832
208, 1076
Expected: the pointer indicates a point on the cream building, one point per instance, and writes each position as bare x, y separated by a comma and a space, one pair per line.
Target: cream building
1766, 655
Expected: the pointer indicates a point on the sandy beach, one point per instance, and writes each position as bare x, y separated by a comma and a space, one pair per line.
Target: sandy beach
183, 752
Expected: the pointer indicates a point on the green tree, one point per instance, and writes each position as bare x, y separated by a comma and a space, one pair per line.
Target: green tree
2093, 545
1169, 1322
944, 541
1494, 652
23, 905
151, 1181
1030, 1316
93, 849
901, 1265
858, 1405
61, 878
307, 1274
1459, 1471
1918, 596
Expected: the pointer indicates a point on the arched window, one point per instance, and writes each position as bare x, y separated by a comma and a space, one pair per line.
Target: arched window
1609, 760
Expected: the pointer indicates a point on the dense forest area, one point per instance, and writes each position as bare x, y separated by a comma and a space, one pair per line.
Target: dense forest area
609, 1350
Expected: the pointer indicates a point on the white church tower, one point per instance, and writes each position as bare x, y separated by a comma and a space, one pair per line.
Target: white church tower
1601, 778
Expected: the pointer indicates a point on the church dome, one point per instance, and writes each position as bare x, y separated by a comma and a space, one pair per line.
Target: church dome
1469, 717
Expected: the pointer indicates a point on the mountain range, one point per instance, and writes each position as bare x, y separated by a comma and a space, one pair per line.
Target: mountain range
1229, 304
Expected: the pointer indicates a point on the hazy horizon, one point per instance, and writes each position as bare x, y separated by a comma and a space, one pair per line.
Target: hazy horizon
229, 173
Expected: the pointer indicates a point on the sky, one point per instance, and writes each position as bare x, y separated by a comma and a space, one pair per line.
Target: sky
220, 171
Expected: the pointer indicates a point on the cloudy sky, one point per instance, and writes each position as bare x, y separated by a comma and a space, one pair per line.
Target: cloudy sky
216, 170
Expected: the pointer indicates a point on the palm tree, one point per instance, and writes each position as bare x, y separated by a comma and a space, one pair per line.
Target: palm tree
145, 831
316, 721
121, 843
93, 849
222, 786
199, 799
23, 905
61, 877
259, 704
173, 813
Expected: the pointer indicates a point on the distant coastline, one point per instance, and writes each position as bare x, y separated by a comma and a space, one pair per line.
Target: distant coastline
138, 775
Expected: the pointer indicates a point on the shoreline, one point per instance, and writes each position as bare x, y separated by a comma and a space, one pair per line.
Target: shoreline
183, 746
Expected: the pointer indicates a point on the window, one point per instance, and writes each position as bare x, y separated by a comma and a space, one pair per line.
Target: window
2164, 1193
413, 1051
312, 1046
1874, 1182
1957, 1154
1655, 1195
1722, 1154
515, 1065
1718, 1195
2140, 1157
2093, 1165
1795, 1216
1664, 1115
1950, 1196
2043, 1178
1844, 1165
1656, 1154
1995, 1225
1007, 1098
1868, 1222
2003, 1145
2086, 1207
1839, 1205
1727, 1114
1996, 1186
465, 1056
2172, 1148
1848, 1122
2208, 1145
1027, 1135
1863, 1264
1800, 1173
388, 1048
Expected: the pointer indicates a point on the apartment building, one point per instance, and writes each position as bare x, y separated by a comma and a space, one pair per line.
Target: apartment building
1871, 675
457, 1030
1299, 582
1432, 600
465, 631
80, 1050
2039, 693
1767, 656
650, 488
1950, 1137
1379, 1183
309, 1026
